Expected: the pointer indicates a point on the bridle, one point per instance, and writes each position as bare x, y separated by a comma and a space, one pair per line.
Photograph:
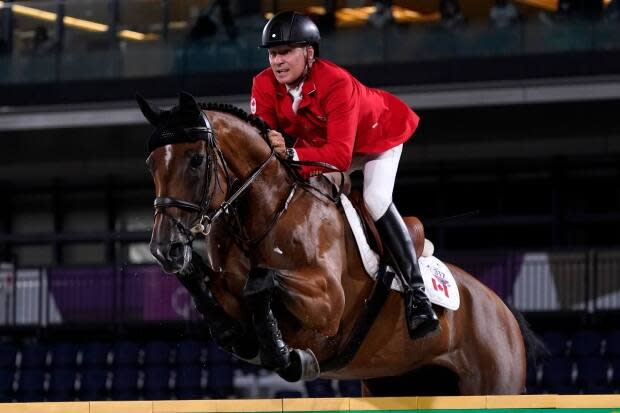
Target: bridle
208, 216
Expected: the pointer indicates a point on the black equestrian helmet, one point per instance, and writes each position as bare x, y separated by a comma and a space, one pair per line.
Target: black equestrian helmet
290, 27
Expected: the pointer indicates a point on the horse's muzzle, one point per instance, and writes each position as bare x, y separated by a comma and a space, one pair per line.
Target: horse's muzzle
174, 257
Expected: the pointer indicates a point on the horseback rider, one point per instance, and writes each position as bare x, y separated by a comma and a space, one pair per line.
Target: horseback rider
338, 120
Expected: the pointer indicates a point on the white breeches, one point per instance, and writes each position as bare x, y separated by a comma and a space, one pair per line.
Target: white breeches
379, 175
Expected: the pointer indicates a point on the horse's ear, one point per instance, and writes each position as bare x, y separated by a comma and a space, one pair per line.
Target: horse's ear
150, 112
187, 102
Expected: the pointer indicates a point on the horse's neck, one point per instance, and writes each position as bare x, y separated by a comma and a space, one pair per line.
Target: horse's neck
245, 151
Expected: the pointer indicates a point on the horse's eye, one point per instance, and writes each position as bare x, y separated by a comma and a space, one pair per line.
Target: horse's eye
196, 160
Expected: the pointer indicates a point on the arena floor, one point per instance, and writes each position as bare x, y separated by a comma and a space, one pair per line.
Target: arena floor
531, 404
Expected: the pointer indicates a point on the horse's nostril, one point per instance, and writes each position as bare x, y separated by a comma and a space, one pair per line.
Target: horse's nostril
176, 250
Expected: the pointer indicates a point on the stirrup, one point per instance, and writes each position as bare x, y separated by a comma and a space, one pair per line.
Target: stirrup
420, 316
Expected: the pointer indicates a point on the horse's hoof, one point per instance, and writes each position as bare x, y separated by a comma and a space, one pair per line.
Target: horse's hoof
303, 366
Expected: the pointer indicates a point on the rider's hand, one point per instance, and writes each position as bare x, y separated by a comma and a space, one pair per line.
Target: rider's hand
277, 141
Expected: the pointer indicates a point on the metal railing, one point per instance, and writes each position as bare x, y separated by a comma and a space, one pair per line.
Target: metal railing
113, 45
587, 281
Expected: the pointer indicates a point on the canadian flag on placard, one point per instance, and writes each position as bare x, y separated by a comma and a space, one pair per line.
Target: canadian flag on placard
441, 286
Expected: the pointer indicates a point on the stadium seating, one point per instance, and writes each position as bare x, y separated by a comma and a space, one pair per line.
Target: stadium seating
586, 361
126, 354
593, 375
156, 383
220, 383
556, 343
586, 343
7, 377
190, 382
557, 376
320, 388
8, 354
93, 385
350, 388
95, 355
189, 352
613, 344
33, 356
125, 383
62, 385
31, 385
63, 354
156, 353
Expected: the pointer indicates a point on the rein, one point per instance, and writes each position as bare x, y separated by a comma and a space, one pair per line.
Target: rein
207, 216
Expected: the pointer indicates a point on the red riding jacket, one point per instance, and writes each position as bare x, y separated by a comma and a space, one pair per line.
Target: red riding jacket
338, 116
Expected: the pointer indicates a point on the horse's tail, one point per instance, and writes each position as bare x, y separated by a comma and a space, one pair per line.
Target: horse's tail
535, 348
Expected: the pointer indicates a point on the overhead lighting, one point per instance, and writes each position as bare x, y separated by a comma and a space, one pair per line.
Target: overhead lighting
75, 22
348, 16
549, 5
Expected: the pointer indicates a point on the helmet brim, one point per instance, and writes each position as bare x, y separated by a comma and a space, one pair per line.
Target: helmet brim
281, 43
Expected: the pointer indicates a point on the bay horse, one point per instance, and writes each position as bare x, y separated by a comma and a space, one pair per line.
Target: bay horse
280, 282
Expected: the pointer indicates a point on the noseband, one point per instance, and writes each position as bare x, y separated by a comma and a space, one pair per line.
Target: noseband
209, 215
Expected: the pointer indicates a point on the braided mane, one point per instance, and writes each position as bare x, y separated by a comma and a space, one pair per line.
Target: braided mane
253, 120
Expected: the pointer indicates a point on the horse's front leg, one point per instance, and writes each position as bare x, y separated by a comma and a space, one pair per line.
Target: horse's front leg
290, 364
227, 332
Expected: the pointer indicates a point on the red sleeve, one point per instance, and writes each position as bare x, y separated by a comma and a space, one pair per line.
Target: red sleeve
263, 103
342, 110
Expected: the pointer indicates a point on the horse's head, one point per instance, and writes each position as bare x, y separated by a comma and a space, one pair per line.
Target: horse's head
183, 163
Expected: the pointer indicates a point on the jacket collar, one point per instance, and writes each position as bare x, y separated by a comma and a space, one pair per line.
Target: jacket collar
308, 89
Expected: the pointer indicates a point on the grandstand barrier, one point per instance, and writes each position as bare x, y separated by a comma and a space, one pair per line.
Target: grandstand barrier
470, 404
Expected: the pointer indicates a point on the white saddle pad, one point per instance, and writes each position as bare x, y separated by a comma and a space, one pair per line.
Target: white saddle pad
440, 285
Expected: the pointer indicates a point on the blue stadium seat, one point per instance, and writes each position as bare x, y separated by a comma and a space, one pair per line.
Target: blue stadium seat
93, 385
189, 352
62, 385
558, 376
7, 376
220, 384
189, 382
320, 388
615, 378
8, 353
555, 342
217, 356
532, 382
156, 353
33, 356
586, 343
593, 375
126, 354
244, 368
125, 383
350, 388
95, 355
156, 383
287, 394
64, 354
30, 386
613, 344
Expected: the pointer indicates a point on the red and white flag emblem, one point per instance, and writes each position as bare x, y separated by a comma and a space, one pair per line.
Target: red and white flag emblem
440, 284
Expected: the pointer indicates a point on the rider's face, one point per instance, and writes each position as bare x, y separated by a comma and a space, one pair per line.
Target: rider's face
288, 62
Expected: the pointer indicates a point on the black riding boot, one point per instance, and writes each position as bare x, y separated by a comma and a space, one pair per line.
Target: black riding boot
421, 319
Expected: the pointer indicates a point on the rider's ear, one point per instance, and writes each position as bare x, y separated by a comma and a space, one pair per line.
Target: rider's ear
188, 103
150, 112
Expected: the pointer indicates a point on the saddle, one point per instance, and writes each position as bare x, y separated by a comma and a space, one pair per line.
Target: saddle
342, 184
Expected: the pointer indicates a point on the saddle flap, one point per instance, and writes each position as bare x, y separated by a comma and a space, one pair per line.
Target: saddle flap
414, 225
